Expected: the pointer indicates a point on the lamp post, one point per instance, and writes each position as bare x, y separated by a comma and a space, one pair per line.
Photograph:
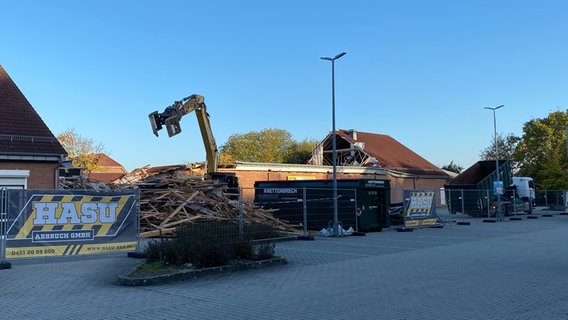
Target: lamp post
333, 144
496, 156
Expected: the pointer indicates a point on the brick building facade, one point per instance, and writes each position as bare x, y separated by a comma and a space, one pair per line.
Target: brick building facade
360, 155
249, 173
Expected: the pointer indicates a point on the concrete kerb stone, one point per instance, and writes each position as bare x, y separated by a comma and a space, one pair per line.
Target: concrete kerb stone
128, 280
191, 274
4, 264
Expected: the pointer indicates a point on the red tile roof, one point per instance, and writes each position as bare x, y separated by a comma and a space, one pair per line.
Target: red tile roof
392, 154
108, 170
22, 131
107, 164
105, 177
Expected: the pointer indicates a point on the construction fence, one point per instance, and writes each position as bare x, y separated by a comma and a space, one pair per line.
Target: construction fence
45, 223
271, 212
310, 209
361, 209
476, 202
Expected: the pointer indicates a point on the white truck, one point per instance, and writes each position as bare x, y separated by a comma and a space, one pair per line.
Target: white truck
525, 191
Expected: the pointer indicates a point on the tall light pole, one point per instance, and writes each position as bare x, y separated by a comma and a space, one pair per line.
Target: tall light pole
333, 144
496, 155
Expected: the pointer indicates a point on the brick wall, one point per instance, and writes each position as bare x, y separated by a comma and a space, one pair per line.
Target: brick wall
397, 184
42, 174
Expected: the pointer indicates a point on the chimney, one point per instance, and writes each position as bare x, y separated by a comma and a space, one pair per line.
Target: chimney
353, 134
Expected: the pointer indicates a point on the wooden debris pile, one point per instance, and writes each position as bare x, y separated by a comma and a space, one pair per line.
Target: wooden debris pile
84, 184
166, 205
171, 196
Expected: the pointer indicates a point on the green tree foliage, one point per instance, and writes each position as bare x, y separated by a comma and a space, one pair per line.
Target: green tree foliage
541, 151
453, 167
506, 146
81, 151
300, 152
268, 146
552, 176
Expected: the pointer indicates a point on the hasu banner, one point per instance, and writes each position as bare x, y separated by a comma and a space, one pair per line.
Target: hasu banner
420, 208
72, 222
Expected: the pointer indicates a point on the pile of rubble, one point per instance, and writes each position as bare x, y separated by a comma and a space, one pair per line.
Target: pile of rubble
175, 195
166, 205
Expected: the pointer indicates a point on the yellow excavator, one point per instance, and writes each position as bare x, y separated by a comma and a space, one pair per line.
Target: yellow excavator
171, 117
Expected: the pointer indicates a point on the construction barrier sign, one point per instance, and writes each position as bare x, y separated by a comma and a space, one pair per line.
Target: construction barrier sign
420, 208
70, 222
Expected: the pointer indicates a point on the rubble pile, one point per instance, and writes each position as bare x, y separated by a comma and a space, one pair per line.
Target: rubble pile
171, 196
166, 205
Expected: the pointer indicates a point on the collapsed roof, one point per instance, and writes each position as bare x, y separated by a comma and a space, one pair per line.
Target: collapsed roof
365, 149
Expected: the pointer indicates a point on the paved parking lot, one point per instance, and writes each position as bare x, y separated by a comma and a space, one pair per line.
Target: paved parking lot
504, 270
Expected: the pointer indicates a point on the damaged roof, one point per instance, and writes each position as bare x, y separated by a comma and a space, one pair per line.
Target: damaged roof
355, 148
22, 131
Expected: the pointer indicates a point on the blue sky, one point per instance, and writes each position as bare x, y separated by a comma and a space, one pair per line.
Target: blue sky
419, 71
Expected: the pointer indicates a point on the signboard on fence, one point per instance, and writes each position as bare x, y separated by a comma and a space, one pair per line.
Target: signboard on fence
70, 222
419, 208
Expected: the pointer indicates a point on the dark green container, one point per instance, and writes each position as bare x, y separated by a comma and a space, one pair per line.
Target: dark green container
362, 203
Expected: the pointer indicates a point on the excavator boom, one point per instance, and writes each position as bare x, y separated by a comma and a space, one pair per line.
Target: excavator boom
172, 115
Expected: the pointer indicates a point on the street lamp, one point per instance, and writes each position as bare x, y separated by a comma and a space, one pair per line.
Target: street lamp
496, 155
333, 145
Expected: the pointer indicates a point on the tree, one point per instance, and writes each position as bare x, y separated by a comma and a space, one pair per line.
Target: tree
300, 152
453, 167
81, 151
551, 174
267, 145
542, 140
506, 146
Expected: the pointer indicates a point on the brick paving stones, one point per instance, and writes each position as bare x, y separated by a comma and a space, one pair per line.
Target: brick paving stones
503, 270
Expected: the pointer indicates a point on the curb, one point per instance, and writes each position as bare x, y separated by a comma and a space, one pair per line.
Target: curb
127, 280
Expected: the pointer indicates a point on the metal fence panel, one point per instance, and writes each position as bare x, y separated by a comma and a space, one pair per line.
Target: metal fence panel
3, 223
472, 202
476, 202
310, 208
553, 199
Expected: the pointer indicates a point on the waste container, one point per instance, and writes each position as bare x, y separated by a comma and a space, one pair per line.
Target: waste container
362, 203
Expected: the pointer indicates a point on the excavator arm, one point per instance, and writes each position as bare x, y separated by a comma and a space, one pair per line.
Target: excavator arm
171, 117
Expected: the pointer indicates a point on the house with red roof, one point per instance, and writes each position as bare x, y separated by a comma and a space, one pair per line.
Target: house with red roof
360, 155
107, 170
30, 154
